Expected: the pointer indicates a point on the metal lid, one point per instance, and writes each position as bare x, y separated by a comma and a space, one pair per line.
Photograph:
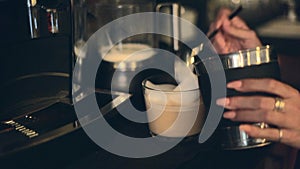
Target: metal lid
239, 59
249, 57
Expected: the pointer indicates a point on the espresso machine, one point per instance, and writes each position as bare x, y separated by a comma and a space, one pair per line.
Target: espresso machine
39, 47
34, 38
36, 64
114, 73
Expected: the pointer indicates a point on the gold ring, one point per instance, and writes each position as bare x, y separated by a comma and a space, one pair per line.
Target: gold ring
280, 135
279, 104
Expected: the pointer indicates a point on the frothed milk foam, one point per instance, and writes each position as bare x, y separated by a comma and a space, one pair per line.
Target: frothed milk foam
164, 108
125, 53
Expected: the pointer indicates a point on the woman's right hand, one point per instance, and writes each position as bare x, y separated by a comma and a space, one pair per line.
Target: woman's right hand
234, 34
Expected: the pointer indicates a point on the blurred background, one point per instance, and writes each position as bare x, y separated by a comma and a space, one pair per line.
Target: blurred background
36, 40
35, 34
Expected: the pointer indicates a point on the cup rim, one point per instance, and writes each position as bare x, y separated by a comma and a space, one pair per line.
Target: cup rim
165, 91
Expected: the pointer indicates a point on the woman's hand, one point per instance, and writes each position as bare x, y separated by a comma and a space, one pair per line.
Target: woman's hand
234, 34
263, 109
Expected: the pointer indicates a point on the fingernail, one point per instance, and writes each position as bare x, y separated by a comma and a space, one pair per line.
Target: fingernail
245, 128
229, 115
234, 84
223, 102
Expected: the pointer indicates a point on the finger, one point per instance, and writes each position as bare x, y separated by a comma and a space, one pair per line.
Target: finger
224, 12
264, 85
261, 103
215, 26
289, 137
238, 32
219, 43
233, 44
222, 16
239, 23
270, 117
247, 102
271, 134
220, 19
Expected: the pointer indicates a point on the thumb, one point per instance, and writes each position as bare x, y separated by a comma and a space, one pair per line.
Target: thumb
238, 32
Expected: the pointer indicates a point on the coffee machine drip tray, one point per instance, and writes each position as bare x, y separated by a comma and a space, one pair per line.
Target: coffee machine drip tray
52, 121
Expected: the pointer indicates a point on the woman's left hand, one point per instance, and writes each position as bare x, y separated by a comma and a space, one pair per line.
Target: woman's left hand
283, 113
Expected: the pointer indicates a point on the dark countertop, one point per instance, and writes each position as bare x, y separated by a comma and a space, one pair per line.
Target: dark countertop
74, 150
